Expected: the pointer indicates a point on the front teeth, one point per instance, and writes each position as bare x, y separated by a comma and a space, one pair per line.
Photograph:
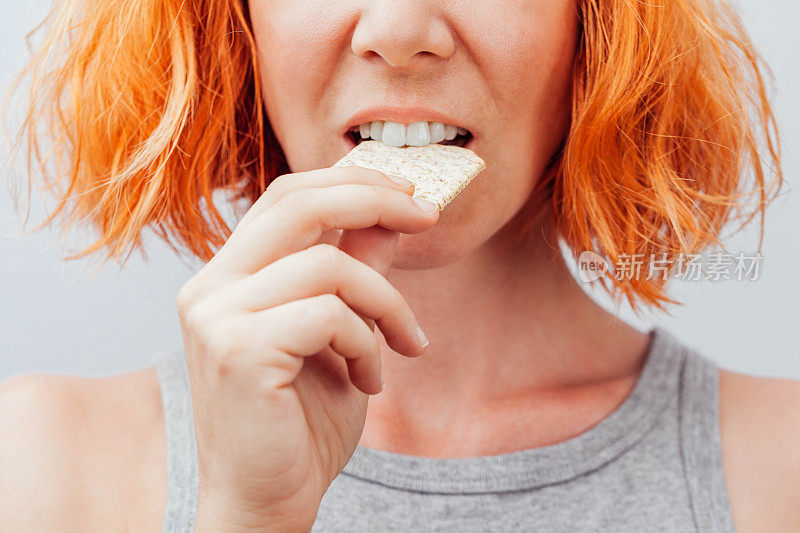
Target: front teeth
393, 134
418, 134
415, 134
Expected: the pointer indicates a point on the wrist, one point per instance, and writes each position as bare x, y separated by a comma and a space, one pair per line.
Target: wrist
230, 518
233, 522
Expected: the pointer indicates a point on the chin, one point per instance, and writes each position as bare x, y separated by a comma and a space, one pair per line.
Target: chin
440, 246
416, 256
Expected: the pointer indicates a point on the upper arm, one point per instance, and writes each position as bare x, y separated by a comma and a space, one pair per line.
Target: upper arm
760, 426
40, 482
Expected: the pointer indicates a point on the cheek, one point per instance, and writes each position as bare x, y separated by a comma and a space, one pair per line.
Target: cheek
528, 55
529, 67
528, 59
293, 34
291, 53
299, 44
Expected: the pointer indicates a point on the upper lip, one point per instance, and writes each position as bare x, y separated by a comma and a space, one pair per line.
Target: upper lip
402, 115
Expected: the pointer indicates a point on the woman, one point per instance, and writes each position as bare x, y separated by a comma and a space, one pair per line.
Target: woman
620, 126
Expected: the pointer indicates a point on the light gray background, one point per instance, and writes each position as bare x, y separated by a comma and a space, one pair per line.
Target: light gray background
55, 317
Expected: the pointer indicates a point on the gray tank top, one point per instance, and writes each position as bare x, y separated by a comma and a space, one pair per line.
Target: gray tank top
654, 464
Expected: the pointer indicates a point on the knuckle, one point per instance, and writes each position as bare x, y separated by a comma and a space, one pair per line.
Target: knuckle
198, 287
299, 197
332, 308
268, 385
271, 381
317, 314
327, 256
278, 182
300, 203
370, 173
221, 347
279, 186
186, 296
377, 194
288, 202
196, 317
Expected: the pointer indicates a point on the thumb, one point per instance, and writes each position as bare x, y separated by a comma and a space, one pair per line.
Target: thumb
375, 246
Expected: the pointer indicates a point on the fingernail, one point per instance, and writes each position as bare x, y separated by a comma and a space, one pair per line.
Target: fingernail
429, 207
423, 340
400, 181
383, 384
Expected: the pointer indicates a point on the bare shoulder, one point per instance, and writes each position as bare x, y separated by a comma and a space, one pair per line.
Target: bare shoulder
82, 454
760, 429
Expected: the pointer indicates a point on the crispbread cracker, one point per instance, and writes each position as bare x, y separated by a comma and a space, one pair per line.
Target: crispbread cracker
438, 171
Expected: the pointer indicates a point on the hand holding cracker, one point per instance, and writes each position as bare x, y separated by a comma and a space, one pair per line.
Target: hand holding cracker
439, 172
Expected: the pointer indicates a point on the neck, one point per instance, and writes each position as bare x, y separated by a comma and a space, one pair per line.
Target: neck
503, 323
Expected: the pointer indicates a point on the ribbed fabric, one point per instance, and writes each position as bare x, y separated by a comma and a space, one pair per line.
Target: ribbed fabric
701, 446
654, 464
182, 474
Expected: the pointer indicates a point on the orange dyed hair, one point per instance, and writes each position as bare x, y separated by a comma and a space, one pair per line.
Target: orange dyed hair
671, 137
150, 106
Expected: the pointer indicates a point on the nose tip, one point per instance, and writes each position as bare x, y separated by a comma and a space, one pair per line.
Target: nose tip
403, 34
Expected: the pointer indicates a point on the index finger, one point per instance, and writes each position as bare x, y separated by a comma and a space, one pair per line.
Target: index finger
322, 177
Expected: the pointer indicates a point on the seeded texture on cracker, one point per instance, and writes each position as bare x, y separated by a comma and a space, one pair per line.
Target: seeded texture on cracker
438, 171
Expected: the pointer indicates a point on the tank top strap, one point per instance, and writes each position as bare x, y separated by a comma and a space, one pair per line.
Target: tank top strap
182, 471
700, 441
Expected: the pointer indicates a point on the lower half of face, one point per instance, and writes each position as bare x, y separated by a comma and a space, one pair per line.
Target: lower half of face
502, 69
